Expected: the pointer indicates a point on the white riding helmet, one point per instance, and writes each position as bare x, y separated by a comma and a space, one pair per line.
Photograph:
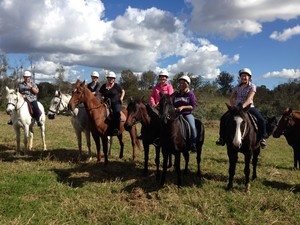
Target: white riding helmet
163, 73
245, 70
95, 74
185, 78
27, 74
111, 74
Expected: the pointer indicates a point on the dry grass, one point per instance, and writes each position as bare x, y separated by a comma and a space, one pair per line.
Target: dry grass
51, 187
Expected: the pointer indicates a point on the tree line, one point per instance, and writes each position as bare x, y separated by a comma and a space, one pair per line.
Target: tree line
211, 95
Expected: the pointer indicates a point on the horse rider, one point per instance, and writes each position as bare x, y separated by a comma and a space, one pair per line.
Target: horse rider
29, 90
113, 91
184, 102
162, 86
94, 86
242, 96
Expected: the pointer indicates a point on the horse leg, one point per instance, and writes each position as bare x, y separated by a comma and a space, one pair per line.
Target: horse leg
134, 140
146, 158
177, 168
88, 143
254, 163
18, 139
157, 156
296, 158
43, 136
30, 138
109, 144
79, 143
105, 145
165, 164
233, 157
98, 146
187, 159
26, 137
199, 151
121, 141
247, 171
170, 164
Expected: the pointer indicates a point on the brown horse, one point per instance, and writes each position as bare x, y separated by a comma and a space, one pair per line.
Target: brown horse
100, 122
241, 136
139, 111
289, 126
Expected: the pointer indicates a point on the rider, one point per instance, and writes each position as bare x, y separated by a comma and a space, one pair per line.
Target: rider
94, 86
184, 102
115, 93
243, 94
29, 90
162, 86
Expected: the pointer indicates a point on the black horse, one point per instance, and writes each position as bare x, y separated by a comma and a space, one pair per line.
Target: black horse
241, 136
139, 111
175, 139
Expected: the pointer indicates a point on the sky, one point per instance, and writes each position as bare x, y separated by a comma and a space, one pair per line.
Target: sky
203, 37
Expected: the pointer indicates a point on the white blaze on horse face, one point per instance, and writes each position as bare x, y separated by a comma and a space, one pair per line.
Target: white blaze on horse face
237, 141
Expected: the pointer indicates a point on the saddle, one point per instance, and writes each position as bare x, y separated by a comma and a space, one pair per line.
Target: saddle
185, 128
109, 113
30, 108
253, 120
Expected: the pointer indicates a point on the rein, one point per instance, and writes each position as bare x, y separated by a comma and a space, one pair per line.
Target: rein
15, 104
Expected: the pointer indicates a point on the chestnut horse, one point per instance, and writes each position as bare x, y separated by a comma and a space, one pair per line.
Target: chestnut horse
289, 126
174, 138
100, 122
241, 136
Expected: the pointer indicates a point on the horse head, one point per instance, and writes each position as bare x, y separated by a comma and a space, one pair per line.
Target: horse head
57, 104
12, 99
284, 123
166, 108
271, 124
78, 95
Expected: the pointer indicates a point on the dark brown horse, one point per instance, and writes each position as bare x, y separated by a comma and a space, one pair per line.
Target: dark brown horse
139, 111
175, 138
241, 136
289, 126
100, 123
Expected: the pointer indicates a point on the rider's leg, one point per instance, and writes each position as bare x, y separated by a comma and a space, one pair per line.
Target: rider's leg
191, 120
116, 108
262, 134
36, 113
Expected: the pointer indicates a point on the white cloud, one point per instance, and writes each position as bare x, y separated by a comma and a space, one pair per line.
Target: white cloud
286, 34
75, 33
285, 73
230, 19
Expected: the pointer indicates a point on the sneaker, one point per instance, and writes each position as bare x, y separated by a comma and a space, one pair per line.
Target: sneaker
263, 143
9, 122
39, 123
115, 132
220, 142
193, 147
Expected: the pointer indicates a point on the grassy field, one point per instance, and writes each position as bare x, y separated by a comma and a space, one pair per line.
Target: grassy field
51, 187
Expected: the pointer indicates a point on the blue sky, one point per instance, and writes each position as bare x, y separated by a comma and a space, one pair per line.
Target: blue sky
202, 37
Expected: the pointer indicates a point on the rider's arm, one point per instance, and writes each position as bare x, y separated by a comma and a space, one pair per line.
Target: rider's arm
249, 99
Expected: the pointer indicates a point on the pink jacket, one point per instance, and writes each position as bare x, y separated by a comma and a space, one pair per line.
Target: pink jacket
166, 89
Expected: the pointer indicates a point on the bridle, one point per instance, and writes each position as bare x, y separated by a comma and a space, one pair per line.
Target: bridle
15, 104
61, 103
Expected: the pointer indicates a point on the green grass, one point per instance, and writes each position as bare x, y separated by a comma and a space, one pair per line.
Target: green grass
51, 187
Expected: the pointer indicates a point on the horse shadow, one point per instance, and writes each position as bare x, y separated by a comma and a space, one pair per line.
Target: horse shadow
282, 186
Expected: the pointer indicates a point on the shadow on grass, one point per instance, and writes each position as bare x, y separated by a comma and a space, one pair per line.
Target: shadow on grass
282, 186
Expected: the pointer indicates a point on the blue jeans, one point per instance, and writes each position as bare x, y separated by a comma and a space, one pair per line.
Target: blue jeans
36, 110
191, 120
262, 133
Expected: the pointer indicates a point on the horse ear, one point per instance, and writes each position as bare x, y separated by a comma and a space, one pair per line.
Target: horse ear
290, 110
57, 93
77, 83
229, 106
7, 89
82, 83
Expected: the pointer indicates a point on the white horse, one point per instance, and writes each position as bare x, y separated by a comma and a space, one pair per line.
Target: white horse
18, 109
80, 121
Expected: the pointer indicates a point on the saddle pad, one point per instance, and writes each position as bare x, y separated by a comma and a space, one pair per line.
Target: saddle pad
185, 128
